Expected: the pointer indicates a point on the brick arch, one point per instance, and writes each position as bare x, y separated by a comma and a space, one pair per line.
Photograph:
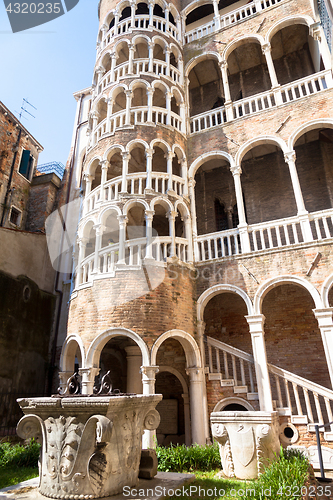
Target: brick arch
207, 295
243, 40
284, 280
114, 149
325, 291
68, 352
306, 127
287, 21
206, 157
267, 139
191, 348
96, 347
196, 60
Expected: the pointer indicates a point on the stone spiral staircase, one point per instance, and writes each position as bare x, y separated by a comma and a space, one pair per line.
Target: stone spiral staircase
305, 402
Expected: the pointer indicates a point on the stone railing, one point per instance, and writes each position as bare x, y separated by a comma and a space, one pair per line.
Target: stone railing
227, 364
141, 22
136, 184
217, 245
140, 66
305, 401
229, 19
322, 224
298, 89
274, 234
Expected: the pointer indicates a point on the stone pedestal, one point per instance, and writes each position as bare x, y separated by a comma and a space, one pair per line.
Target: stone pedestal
91, 446
247, 441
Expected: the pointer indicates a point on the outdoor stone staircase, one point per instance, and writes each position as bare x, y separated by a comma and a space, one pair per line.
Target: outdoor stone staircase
305, 402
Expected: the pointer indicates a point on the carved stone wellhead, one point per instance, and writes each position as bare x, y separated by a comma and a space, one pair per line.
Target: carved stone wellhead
91, 446
248, 440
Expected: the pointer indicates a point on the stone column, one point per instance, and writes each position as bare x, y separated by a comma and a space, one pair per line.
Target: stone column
201, 325
172, 216
151, 4
182, 113
302, 213
116, 20
183, 166
100, 72
243, 227
99, 233
167, 60
113, 65
226, 88
131, 50
266, 50
134, 363
168, 97
133, 8
151, 56
149, 168
149, 215
216, 14
166, 15
126, 157
87, 379
104, 165
181, 70
170, 157
256, 324
129, 95
95, 116
197, 410
88, 178
187, 419
191, 185
110, 103
82, 251
188, 231
317, 34
122, 238
148, 381
150, 93
325, 322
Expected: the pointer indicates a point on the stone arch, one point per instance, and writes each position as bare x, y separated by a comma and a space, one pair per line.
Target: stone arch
287, 21
91, 167
177, 374
177, 95
191, 349
161, 143
206, 157
207, 295
184, 210
82, 229
325, 290
136, 143
95, 348
115, 148
241, 41
196, 60
118, 89
105, 212
320, 123
178, 150
159, 41
132, 203
252, 143
233, 400
139, 83
284, 280
158, 200
68, 352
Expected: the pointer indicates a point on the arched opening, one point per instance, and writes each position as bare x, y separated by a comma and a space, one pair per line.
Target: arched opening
314, 155
159, 99
176, 166
125, 14
173, 59
140, 97
159, 160
159, 51
266, 183
158, 11
172, 410
330, 297
136, 222
106, 62
111, 229
247, 71
160, 220
295, 53
200, 15
205, 87
122, 53
90, 233
119, 101
97, 177
137, 161
179, 226
292, 336
174, 105
101, 110
142, 9
214, 181
115, 165
141, 49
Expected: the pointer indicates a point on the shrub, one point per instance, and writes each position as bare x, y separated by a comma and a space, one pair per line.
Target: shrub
283, 478
183, 458
19, 455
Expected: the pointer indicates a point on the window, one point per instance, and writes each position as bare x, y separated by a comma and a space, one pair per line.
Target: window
15, 216
27, 164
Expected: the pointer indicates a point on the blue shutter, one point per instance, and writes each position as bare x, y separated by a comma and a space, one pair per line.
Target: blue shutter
24, 162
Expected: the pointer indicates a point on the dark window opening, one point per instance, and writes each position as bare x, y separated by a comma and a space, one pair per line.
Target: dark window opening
158, 11
111, 24
288, 432
234, 407
199, 13
221, 217
142, 9
26, 165
125, 13
172, 19
15, 216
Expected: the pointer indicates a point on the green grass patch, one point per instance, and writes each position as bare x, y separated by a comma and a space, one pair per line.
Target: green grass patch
18, 463
183, 458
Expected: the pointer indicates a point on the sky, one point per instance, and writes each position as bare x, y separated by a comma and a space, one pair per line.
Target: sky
46, 65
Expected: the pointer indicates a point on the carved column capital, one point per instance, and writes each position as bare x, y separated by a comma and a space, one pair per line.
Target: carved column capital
290, 156
236, 170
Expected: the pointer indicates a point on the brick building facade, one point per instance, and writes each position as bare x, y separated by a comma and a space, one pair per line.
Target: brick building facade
204, 255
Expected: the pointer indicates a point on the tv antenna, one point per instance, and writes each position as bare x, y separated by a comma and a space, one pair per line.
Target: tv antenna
24, 110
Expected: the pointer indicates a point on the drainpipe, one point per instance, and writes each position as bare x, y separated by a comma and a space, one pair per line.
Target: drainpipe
10, 178
57, 290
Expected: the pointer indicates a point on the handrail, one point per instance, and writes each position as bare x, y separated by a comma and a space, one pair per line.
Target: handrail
229, 349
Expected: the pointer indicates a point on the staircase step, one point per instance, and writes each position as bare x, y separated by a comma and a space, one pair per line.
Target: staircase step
299, 419
214, 376
252, 396
227, 382
311, 427
240, 389
284, 411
